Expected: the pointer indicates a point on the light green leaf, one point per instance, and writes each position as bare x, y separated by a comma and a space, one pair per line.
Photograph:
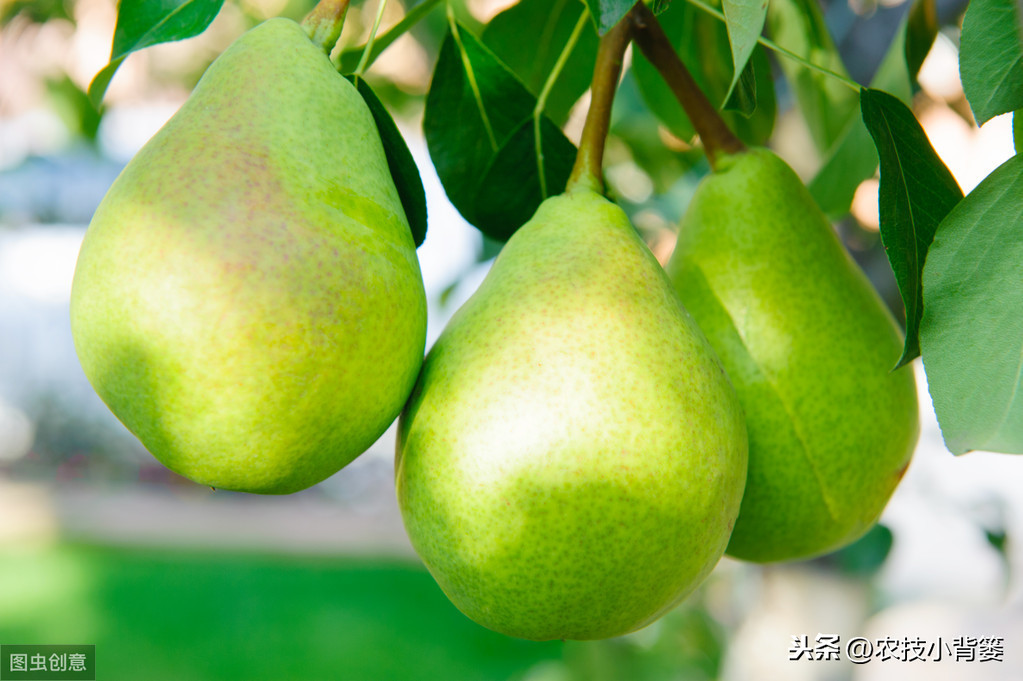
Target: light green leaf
745, 22
991, 58
971, 335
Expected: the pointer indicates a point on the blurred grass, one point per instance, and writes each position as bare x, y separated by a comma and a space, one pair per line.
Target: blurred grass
159, 614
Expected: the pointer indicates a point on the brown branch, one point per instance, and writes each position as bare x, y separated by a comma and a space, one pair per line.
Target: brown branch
714, 133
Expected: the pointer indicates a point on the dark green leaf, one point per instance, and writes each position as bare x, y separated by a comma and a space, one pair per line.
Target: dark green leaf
991, 58
607, 13
971, 335
743, 97
853, 158
508, 197
400, 162
702, 44
826, 103
917, 191
921, 30
745, 22
479, 129
143, 23
865, 556
997, 540
1017, 131
552, 23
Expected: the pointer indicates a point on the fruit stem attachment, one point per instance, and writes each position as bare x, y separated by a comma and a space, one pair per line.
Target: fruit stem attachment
654, 44
588, 169
323, 24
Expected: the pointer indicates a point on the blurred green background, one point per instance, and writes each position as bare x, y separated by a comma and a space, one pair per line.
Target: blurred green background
99, 544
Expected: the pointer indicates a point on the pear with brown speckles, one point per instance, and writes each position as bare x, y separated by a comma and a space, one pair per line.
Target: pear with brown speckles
247, 299
572, 458
810, 348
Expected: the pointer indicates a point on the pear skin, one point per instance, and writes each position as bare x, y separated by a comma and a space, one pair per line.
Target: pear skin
810, 348
247, 299
572, 458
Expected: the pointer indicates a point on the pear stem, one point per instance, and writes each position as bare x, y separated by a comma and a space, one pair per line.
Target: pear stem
587, 173
323, 24
717, 139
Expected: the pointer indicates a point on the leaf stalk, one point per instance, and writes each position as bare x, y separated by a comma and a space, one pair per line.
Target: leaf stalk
364, 61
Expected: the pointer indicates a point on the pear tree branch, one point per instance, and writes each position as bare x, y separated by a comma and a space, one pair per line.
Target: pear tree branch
588, 169
654, 44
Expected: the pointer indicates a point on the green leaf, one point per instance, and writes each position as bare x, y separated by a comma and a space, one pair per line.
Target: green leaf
826, 103
143, 23
607, 13
403, 167
74, 107
479, 128
917, 191
991, 58
865, 556
853, 158
552, 23
1017, 131
504, 186
745, 22
971, 335
921, 30
702, 44
743, 97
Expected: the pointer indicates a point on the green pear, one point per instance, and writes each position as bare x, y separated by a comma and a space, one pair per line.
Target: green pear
810, 348
247, 299
572, 458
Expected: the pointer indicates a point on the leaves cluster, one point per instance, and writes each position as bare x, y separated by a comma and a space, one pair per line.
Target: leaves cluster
501, 94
